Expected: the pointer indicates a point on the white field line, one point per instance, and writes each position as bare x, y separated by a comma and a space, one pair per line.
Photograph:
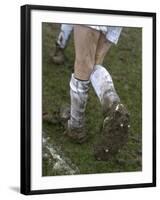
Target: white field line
60, 163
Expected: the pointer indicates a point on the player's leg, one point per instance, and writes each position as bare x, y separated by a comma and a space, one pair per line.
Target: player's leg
85, 40
61, 43
101, 79
116, 117
104, 87
106, 40
103, 47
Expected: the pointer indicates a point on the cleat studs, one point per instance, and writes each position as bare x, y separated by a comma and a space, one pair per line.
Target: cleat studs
117, 107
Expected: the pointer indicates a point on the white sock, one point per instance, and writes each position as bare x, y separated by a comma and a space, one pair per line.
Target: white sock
64, 35
103, 85
79, 95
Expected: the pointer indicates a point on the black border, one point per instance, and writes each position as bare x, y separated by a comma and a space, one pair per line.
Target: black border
25, 181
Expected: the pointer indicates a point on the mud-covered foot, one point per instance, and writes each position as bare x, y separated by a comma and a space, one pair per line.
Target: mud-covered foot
58, 57
114, 133
77, 135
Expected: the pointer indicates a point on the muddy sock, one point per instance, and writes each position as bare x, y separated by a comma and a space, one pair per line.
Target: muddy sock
64, 35
103, 85
79, 96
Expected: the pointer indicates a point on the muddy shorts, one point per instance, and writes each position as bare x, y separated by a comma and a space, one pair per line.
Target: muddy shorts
112, 33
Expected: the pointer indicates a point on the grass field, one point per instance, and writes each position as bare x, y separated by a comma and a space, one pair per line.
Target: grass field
125, 65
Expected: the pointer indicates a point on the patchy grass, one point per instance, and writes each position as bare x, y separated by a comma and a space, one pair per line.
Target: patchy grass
124, 64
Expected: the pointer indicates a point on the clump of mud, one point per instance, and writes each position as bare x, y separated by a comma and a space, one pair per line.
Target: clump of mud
114, 133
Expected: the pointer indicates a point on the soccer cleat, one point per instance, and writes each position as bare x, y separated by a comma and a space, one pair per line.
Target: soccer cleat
114, 133
76, 134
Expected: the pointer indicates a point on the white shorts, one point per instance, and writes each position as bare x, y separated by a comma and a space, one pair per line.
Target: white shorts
112, 33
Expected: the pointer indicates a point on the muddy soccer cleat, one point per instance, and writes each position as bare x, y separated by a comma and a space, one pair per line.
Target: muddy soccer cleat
75, 128
58, 57
76, 134
114, 133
